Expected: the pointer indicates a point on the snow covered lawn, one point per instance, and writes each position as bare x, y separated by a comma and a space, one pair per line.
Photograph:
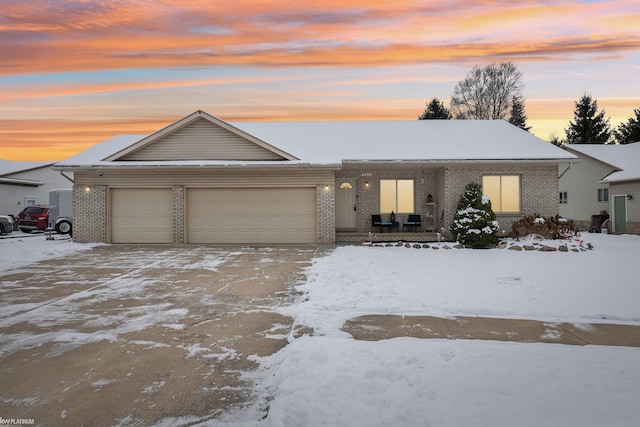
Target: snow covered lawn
331, 379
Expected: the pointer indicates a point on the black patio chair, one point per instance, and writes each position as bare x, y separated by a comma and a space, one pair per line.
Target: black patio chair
413, 221
376, 221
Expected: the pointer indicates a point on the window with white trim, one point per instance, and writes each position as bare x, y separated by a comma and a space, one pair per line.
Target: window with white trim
603, 194
396, 195
503, 191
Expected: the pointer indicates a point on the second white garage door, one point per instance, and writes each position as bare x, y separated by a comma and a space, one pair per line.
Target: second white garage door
251, 215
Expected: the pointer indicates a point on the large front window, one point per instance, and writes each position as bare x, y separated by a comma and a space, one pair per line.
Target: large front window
396, 195
503, 191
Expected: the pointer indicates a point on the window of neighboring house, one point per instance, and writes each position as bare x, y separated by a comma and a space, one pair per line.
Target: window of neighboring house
603, 194
563, 198
503, 191
396, 195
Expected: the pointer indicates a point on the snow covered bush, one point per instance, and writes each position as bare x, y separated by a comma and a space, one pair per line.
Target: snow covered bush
552, 227
474, 223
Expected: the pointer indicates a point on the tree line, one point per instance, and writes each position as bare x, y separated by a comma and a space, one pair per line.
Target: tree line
495, 92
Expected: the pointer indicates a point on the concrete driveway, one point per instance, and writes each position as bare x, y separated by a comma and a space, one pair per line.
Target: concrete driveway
137, 335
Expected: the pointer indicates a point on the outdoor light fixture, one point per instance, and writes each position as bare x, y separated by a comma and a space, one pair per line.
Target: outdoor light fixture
629, 197
366, 184
326, 187
87, 189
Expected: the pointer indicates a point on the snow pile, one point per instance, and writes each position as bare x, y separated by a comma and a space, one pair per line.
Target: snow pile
19, 249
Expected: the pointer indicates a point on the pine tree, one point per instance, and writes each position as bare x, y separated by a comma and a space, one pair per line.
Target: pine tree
630, 131
435, 111
474, 223
589, 126
518, 116
555, 140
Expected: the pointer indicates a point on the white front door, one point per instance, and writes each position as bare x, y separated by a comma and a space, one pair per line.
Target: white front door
346, 193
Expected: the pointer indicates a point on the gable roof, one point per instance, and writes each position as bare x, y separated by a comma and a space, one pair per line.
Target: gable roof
625, 159
9, 168
200, 136
333, 143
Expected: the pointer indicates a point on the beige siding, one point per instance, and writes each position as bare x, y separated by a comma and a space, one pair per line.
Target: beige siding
581, 182
633, 205
141, 215
251, 215
203, 140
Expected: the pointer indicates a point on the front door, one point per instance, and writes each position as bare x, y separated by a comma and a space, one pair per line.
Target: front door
620, 214
346, 204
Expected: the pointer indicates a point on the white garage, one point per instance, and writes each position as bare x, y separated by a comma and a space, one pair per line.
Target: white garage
251, 215
141, 215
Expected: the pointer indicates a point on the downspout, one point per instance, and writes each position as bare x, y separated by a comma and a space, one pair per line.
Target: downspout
566, 170
62, 173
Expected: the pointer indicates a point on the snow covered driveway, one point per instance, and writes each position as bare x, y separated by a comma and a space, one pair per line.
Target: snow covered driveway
110, 335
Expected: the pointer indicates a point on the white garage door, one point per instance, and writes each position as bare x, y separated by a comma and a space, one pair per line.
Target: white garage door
141, 215
251, 215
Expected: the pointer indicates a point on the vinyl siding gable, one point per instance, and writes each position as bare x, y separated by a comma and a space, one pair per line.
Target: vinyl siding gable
202, 140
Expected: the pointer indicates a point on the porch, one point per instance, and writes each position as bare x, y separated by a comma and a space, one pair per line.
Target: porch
359, 236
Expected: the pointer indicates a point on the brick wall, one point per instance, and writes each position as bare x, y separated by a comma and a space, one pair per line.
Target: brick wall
538, 184
539, 189
178, 215
90, 214
325, 216
368, 197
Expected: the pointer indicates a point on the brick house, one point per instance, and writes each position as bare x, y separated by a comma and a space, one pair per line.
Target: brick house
203, 180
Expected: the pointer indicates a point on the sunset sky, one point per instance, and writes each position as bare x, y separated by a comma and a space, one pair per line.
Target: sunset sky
74, 73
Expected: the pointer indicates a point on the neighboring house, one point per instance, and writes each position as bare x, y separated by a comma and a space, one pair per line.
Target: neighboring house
25, 184
606, 178
202, 180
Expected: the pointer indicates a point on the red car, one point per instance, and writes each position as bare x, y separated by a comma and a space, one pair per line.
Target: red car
33, 218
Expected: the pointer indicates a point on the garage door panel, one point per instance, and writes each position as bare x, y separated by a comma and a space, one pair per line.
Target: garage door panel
251, 215
141, 215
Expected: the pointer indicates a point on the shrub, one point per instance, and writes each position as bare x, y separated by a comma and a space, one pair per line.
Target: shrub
552, 227
474, 223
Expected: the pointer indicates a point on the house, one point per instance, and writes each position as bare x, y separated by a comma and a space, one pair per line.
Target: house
606, 178
203, 180
25, 184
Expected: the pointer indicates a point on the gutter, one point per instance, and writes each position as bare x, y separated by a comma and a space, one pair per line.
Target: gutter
566, 170
71, 180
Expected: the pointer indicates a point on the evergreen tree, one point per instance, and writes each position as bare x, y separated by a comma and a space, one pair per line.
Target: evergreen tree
435, 110
555, 140
630, 131
589, 126
474, 223
518, 116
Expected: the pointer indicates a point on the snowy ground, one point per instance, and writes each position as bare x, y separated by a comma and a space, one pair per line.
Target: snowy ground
331, 379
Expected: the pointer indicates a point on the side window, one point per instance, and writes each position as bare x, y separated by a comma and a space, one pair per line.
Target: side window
603, 194
563, 198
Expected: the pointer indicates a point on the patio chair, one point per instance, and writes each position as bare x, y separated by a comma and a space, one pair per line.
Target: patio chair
413, 221
376, 221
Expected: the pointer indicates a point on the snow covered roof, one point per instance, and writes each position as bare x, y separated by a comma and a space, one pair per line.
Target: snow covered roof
625, 158
323, 143
8, 167
409, 140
